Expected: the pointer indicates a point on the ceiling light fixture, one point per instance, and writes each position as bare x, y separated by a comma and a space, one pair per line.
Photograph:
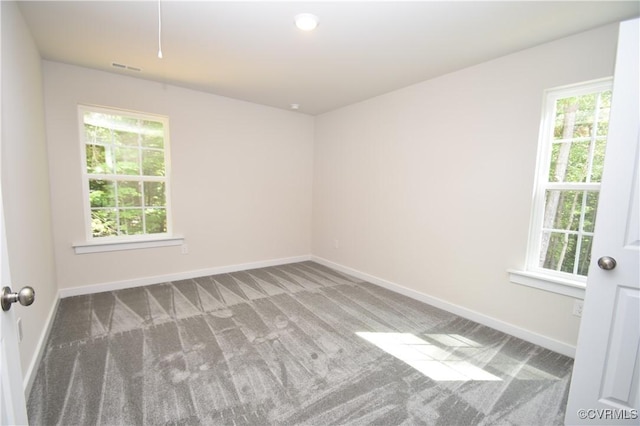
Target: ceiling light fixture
295, 106
159, 30
306, 21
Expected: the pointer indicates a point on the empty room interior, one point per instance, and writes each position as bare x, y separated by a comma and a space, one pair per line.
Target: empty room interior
318, 213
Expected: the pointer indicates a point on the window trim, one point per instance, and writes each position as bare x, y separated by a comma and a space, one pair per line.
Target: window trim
124, 242
533, 275
546, 282
133, 244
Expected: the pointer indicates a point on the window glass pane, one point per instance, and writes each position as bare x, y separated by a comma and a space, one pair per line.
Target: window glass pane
152, 163
131, 221
575, 116
125, 138
558, 252
598, 160
150, 141
127, 161
585, 116
101, 193
585, 255
563, 209
103, 135
554, 169
560, 117
129, 194
156, 220
98, 125
127, 124
603, 113
154, 194
569, 162
153, 136
104, 223
111, 121
590, 211
99, 159
89, 133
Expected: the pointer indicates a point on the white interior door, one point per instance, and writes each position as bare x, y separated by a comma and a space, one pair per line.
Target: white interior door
12, 402
604, 386
13, 408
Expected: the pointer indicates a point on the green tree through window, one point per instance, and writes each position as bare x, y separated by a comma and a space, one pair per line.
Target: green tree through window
125, 172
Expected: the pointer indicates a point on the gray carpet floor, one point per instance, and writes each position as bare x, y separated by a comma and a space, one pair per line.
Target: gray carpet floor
298, 344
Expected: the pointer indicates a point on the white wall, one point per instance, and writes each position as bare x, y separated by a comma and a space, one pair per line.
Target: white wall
241, 182
429, 187
25, 179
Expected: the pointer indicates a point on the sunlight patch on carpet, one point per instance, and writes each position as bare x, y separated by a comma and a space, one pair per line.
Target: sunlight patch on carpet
429, 359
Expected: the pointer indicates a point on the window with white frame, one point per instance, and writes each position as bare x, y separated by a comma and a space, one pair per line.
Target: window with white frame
571, 153
126, 174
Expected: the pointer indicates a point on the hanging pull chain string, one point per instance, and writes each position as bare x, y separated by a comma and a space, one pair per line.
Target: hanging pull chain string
159, 30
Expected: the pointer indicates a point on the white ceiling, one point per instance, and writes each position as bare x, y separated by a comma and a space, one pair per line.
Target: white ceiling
252, 50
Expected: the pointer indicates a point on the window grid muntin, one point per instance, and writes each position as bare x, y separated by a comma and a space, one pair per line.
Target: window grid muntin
110, 156
543, 183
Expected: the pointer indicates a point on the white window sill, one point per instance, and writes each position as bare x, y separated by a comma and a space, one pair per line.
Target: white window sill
550, 283
115, 245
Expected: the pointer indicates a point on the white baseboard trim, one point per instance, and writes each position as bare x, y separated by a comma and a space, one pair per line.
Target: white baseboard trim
30, 375
478, 317
158, 279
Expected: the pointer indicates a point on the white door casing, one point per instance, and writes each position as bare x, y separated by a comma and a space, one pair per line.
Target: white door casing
604, 386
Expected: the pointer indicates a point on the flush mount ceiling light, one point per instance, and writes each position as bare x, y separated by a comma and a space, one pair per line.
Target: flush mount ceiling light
306, 21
